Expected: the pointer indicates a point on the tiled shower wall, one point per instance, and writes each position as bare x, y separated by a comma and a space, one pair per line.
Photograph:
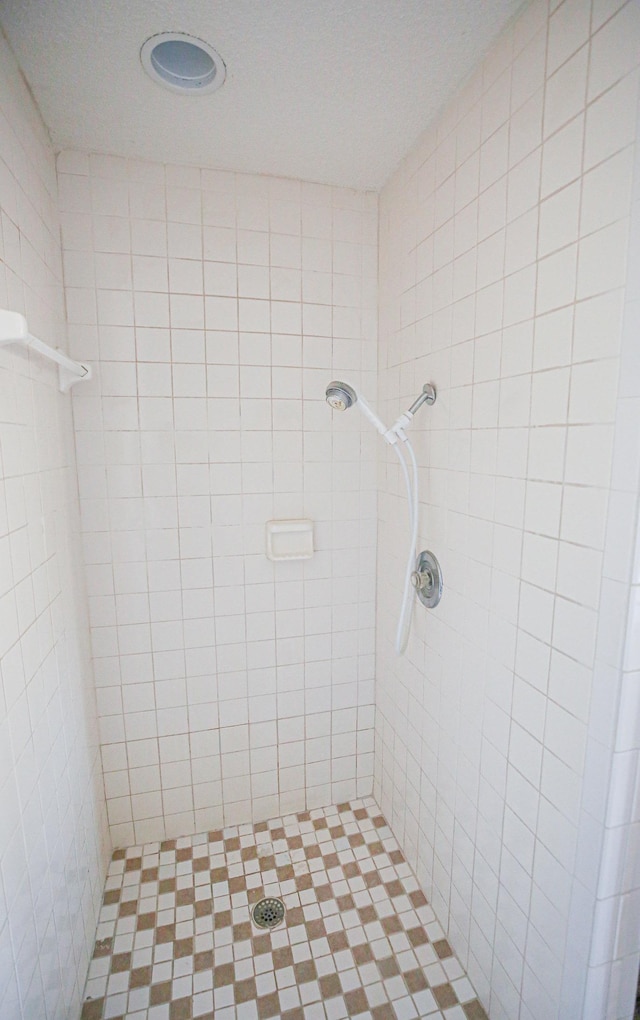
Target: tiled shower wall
504, 240
613, 747
53, 834
215, 308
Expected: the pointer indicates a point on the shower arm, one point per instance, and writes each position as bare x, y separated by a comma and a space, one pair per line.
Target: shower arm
428, 396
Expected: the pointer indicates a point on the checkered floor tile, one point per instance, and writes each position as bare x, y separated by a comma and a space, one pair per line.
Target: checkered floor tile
176, 941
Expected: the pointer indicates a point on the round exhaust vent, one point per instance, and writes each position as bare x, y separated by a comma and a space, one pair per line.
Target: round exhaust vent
183, 63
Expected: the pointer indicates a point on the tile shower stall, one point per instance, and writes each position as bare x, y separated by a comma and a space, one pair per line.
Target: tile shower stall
454, 832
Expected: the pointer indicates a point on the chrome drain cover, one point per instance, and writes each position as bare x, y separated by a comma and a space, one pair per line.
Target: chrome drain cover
268, 913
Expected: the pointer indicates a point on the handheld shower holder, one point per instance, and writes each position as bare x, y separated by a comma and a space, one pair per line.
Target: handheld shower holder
340, 396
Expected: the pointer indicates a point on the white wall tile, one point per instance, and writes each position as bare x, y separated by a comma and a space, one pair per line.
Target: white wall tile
522, 439
220, 428
50, 744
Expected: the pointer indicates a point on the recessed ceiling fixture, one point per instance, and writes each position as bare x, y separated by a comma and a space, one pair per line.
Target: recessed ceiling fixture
183, 63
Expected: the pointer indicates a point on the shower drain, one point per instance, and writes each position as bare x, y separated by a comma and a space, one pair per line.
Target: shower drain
268, 913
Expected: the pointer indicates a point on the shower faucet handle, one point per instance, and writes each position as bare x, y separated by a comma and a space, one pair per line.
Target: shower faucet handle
421, 579
427, 579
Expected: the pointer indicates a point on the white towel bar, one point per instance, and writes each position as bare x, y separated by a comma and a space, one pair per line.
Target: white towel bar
14, 330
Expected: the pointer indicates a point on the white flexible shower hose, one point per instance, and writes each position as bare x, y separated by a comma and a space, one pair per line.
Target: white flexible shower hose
340, 396
406, 607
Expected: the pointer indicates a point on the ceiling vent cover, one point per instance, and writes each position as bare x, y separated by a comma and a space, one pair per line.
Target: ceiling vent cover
183, 63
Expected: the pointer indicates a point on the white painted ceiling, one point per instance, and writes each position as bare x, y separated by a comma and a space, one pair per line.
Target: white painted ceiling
335, 91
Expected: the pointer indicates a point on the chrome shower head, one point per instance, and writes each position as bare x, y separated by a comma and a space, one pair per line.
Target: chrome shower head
340, 396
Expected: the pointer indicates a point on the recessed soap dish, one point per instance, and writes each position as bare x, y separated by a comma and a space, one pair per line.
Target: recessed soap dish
289, 540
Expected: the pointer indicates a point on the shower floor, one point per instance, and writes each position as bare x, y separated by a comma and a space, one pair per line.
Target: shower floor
175, 939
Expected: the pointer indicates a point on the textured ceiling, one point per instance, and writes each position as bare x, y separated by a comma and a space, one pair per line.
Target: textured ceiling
334, 91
